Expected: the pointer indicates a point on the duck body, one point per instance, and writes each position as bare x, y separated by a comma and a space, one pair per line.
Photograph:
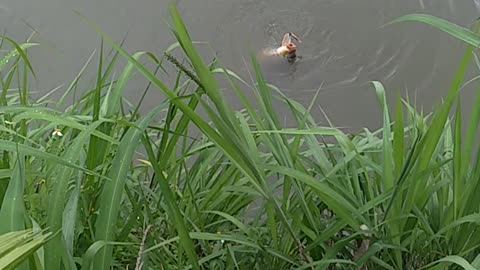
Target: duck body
283, 51
288, 48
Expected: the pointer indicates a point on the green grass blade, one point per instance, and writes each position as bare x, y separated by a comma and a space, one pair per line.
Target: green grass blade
429, 142
392, 164
92, 251
14, 53
14, 258
208, 82
476, 262
114, 97
30, 151
455, 260
54, 249
69, 220
461, 33
387, 155
112, 191
172, 208
36, 113
458, 181
20, 52
398, 137
335, 201
12, 212
72, 85
229, 148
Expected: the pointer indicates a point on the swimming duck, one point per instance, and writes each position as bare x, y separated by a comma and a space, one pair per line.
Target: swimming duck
288, 48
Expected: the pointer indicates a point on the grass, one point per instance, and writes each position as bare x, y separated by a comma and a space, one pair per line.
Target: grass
127, 191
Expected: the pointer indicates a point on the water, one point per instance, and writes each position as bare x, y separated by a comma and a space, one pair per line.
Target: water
344, 45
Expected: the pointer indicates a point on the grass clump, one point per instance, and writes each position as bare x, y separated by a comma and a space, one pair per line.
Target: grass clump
119, 190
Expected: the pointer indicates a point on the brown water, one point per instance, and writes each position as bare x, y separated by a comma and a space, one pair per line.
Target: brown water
344, 45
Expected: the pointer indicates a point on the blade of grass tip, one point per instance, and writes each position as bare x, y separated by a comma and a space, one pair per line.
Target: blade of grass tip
398, 137
461, 33
147, 88
61, 100
111, 65
113, 101
111, 194
21, 52
6, 84
209, 84
243, 98
56, 204
452, 259
24, 87
98, 90
387, 134
4, 61
185, 240
106, 98
23, 100
48, 94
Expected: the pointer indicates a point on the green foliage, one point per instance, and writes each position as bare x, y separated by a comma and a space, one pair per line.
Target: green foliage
17, 246
194, 184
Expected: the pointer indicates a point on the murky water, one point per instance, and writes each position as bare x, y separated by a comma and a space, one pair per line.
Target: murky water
344, 44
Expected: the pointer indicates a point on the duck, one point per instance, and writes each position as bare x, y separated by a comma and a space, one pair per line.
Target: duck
288, 49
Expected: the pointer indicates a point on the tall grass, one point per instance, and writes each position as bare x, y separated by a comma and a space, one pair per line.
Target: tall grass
121, 190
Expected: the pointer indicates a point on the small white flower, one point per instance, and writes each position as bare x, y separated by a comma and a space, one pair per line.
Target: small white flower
363, 227
219, 233
57, 133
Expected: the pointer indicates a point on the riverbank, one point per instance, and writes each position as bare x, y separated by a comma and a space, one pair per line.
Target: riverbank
124, 190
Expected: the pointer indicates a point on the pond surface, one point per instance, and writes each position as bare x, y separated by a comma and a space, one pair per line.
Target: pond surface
344, 45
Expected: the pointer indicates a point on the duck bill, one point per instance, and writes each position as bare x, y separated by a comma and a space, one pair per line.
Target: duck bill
295, 37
